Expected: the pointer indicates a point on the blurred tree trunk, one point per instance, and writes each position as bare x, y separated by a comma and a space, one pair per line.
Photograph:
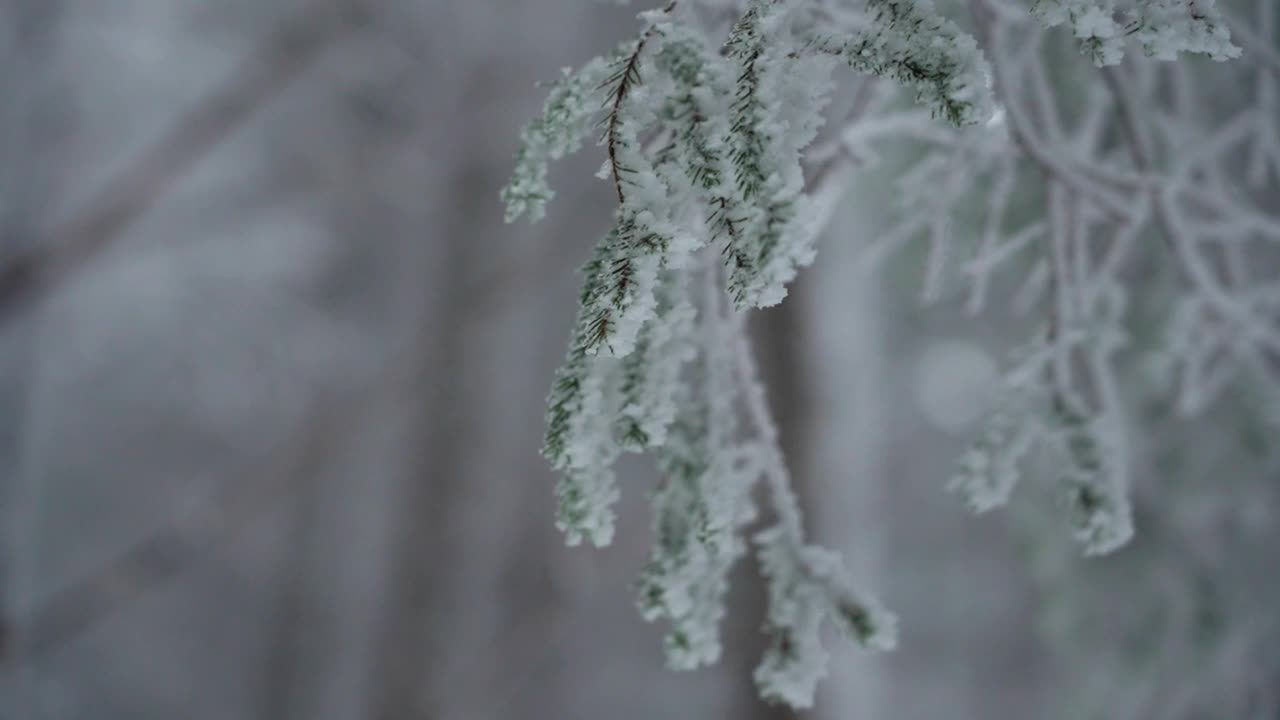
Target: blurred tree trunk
32, 124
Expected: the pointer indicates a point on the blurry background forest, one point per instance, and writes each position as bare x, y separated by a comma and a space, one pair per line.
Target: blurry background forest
271, 451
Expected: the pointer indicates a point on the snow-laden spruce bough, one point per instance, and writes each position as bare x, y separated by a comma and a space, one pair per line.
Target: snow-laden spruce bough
708, 126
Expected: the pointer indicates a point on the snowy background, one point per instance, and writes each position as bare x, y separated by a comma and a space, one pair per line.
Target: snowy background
274, 452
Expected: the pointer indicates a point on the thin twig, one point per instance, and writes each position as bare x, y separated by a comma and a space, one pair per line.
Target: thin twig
1019, 126
1193, 267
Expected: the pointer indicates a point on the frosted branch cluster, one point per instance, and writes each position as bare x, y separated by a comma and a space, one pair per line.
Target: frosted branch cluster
1164, 28
715, 149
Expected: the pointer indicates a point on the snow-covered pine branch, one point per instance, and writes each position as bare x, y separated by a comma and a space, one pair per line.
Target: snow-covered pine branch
1165, 28
708, 125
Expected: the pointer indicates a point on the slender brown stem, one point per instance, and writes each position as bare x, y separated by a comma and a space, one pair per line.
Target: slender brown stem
626, 78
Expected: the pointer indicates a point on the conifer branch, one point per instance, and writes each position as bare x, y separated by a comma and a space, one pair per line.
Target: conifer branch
737, 120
